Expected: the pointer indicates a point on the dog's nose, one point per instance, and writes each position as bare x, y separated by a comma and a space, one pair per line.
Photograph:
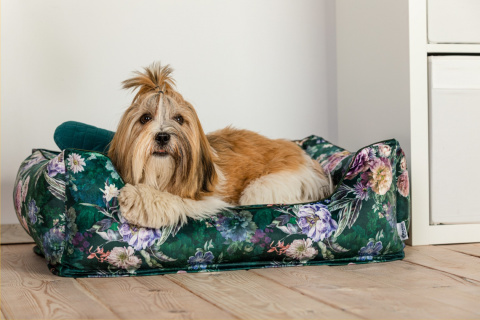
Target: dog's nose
162, 138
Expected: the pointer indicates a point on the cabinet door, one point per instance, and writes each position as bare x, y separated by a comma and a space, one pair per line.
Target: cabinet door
453, 21
454, 139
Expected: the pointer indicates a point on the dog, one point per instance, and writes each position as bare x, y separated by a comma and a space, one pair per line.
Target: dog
174, 171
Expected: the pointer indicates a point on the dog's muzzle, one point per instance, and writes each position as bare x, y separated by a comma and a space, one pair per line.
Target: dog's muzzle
162, 138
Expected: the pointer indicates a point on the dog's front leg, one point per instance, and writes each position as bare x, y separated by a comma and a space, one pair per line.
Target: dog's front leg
148, 207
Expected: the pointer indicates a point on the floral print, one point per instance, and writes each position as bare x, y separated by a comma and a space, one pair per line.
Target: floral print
68, 202
200, 260
124, 258
236, 227
316, 221
76, 163
110, 192
301, 250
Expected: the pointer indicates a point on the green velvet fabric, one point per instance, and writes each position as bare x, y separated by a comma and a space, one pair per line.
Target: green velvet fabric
72, 134
67, 201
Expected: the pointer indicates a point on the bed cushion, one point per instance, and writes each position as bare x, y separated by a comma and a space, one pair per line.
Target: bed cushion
67, 201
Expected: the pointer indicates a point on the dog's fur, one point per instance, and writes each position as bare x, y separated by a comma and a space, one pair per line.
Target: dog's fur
193, 174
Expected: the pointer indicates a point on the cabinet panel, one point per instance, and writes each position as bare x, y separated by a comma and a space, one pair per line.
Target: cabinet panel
453, 21
454, 137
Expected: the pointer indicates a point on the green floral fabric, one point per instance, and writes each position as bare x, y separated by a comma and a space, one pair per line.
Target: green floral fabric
67, 201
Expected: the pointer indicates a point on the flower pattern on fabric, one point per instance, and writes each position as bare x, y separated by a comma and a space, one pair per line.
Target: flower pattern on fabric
237, 227
301, 250
68, 202
110, 192
200, 260
370, 250
32, 211
381, 176
76, 163
316, 221
403, 184
124, 258
55, 166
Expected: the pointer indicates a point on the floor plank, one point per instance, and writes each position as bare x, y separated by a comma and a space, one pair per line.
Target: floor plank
248, 295
14, 233
384, 290
446, 260
472, 249
154, 297
30, 291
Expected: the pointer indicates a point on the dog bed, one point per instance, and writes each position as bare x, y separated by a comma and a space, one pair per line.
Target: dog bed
67, 201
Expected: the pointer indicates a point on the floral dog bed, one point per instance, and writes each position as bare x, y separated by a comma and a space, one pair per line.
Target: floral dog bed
67, 201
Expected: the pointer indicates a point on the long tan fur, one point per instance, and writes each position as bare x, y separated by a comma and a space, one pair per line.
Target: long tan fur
194, 175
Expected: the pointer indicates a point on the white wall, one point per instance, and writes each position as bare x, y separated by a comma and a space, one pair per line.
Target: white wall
267, 66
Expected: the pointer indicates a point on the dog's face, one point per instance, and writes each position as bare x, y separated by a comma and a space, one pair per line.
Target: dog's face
160, 141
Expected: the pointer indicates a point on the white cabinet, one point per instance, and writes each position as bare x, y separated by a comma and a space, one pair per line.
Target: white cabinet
454, 92
394, 82
453, 21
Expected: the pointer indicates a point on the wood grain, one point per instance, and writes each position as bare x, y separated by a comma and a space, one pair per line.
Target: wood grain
154, 297
247, 295
30, 291
472, 249
14, 233
439, 258
432, 282
383, 290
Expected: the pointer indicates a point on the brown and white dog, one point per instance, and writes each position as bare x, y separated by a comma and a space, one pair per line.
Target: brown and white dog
174, 171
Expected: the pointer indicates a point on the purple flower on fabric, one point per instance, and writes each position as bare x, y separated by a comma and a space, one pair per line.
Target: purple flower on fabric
138, 238
32, 211
361, 163
361, 190
80, 240
201, 260
259, 234
53, 244
56, 165
316, 221
331, 162
237, 227
370, 250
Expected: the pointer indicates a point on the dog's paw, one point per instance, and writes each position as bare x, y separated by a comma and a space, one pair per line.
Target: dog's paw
131, 205
147, 207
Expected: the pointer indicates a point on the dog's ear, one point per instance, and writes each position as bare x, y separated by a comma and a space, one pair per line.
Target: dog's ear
209, 175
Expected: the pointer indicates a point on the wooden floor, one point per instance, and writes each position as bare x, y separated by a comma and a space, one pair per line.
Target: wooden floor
432, 282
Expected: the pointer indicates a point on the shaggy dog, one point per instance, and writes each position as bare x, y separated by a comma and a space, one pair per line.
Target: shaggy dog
174, 171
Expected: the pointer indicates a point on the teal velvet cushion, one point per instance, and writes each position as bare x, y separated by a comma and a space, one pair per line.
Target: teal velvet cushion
72, 134
67, 201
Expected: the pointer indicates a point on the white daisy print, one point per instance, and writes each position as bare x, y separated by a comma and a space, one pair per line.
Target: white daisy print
76, 162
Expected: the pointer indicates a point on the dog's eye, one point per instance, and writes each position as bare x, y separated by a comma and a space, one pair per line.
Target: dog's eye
145, 118
179, 119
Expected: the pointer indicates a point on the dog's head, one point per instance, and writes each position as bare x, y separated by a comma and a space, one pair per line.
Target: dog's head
160, 141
